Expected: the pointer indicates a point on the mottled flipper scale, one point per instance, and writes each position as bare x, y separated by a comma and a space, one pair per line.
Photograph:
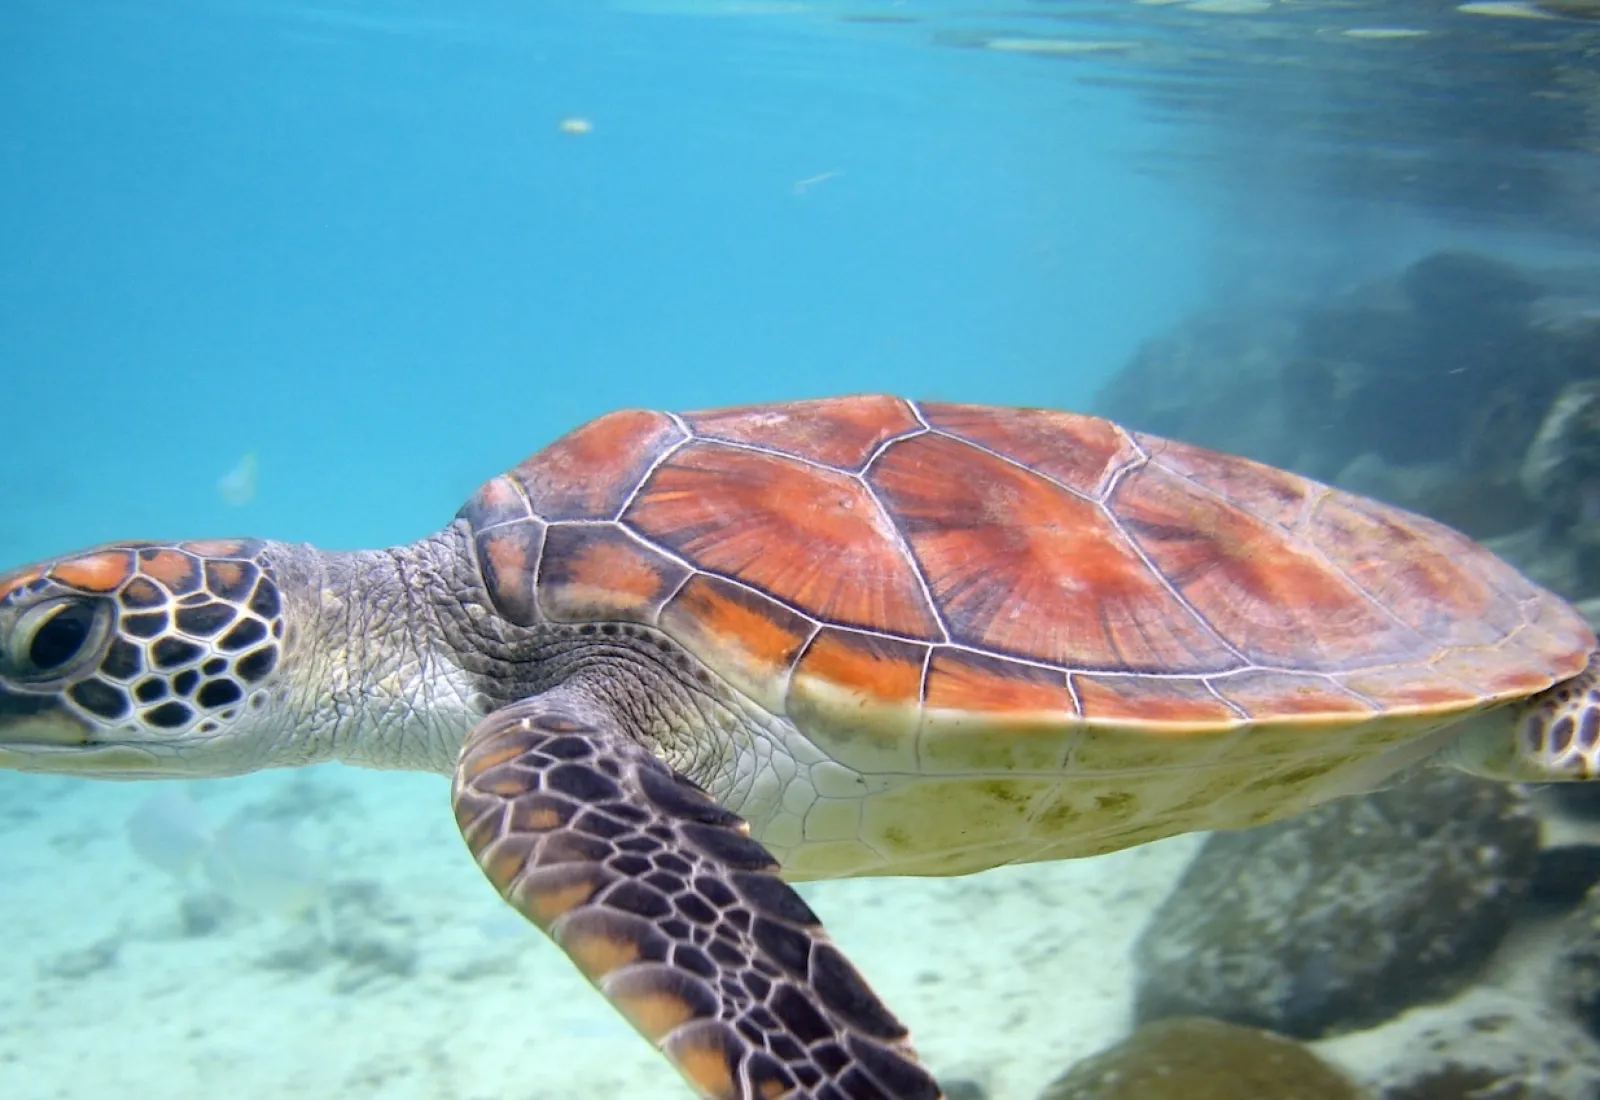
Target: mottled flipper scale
661, 898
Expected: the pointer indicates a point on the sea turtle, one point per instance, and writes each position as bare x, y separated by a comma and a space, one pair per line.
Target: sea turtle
672, 661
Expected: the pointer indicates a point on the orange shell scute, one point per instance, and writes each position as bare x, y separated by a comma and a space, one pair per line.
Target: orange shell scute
1019, 566
750, 639
1271, 595
841, 432
600, 571
588, 473
814, 537
1082, 453
1272, 495
1289, 694
961, 681
1149, 700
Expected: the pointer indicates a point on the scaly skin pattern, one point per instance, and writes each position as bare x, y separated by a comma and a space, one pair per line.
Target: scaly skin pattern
664, 902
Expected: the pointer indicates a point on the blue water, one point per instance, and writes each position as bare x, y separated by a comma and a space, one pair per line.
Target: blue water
362, 246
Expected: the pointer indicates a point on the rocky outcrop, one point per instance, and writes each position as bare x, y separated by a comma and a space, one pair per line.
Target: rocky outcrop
1199, 1059
1343, 917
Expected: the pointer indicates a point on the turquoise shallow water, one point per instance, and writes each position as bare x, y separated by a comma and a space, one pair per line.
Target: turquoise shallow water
316, 271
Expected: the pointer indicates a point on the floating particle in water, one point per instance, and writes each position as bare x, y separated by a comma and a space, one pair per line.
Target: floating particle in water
1060, 47
576, 126
1380, 34
238, 486
169, 831
1230, 7
802, 186
1505, 9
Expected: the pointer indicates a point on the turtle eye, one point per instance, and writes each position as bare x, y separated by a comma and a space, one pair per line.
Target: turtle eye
49, 638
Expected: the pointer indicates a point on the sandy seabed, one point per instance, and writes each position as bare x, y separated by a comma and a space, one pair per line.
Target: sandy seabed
118, 980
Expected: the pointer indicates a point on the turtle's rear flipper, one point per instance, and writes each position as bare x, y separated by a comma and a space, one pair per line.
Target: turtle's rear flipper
659, 896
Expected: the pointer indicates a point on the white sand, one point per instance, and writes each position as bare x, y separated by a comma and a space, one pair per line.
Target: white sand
1014, 974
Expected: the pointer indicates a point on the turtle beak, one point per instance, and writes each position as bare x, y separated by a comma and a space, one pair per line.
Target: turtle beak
39, 734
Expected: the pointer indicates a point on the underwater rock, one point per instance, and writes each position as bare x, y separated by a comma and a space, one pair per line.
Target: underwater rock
1481, 507
1386, 339
1565, 872
1486, 1045
1575, 975
1561, 469
1340, 384
1456, 285
1194, 1058
1569, 850
1552, 563
1213, 380
963, 1088
1345, 916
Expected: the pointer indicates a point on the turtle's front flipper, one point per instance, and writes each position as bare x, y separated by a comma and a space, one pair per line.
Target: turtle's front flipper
661, 898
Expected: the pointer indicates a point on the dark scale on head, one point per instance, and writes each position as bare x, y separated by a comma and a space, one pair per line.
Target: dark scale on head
205, 620
264, 601
141, 593
232, 580
175, 653
244, 635
257, 666
218, 693
100, 698
1561, 733
151, 690
145, 626
1589, 729
185, 682
159, 560
123, 661
170, 715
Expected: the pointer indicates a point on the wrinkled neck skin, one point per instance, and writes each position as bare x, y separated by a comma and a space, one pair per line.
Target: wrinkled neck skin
371, 653
392, 656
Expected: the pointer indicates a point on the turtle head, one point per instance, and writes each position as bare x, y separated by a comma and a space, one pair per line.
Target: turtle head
140, 660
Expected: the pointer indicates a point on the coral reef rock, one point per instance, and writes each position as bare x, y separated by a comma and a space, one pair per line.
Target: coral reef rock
1575, 973
1345, 916
1199, 1059
1426, 389
1487, 1045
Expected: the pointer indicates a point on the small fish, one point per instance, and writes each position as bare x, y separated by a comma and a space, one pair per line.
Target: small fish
255, 864
259, 866
238, 486
169, 831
